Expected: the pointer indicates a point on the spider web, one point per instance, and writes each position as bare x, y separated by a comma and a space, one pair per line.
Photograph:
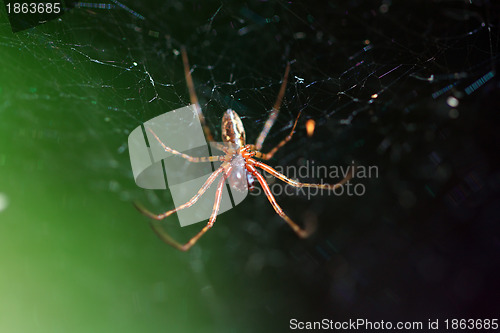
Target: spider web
131, 69
388, 83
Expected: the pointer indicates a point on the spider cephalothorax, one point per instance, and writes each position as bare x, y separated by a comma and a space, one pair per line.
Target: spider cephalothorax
239, 165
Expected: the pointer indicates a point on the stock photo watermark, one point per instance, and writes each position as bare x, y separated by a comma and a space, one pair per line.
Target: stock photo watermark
322, 175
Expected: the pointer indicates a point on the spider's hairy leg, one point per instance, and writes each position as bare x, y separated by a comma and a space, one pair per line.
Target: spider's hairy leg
295, 183
191, 201
164, 236
274, 112
270, 154
192, 95
302, 233
185, 156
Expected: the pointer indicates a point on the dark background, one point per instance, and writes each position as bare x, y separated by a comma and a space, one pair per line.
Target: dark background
421, 243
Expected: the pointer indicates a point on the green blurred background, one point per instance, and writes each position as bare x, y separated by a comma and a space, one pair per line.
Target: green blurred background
422, 243
76, 255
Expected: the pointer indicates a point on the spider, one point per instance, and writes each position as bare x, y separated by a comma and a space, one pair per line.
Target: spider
239, 165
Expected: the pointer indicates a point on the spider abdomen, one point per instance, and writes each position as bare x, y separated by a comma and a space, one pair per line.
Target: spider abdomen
232, 129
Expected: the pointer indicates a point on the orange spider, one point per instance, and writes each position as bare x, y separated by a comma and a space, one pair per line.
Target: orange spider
238, 163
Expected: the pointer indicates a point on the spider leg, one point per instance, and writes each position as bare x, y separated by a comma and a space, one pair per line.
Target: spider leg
221, 147
191, 201
295, 183
302, 233
270, 154
193, 97
187, 157
164, 236
275, 111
